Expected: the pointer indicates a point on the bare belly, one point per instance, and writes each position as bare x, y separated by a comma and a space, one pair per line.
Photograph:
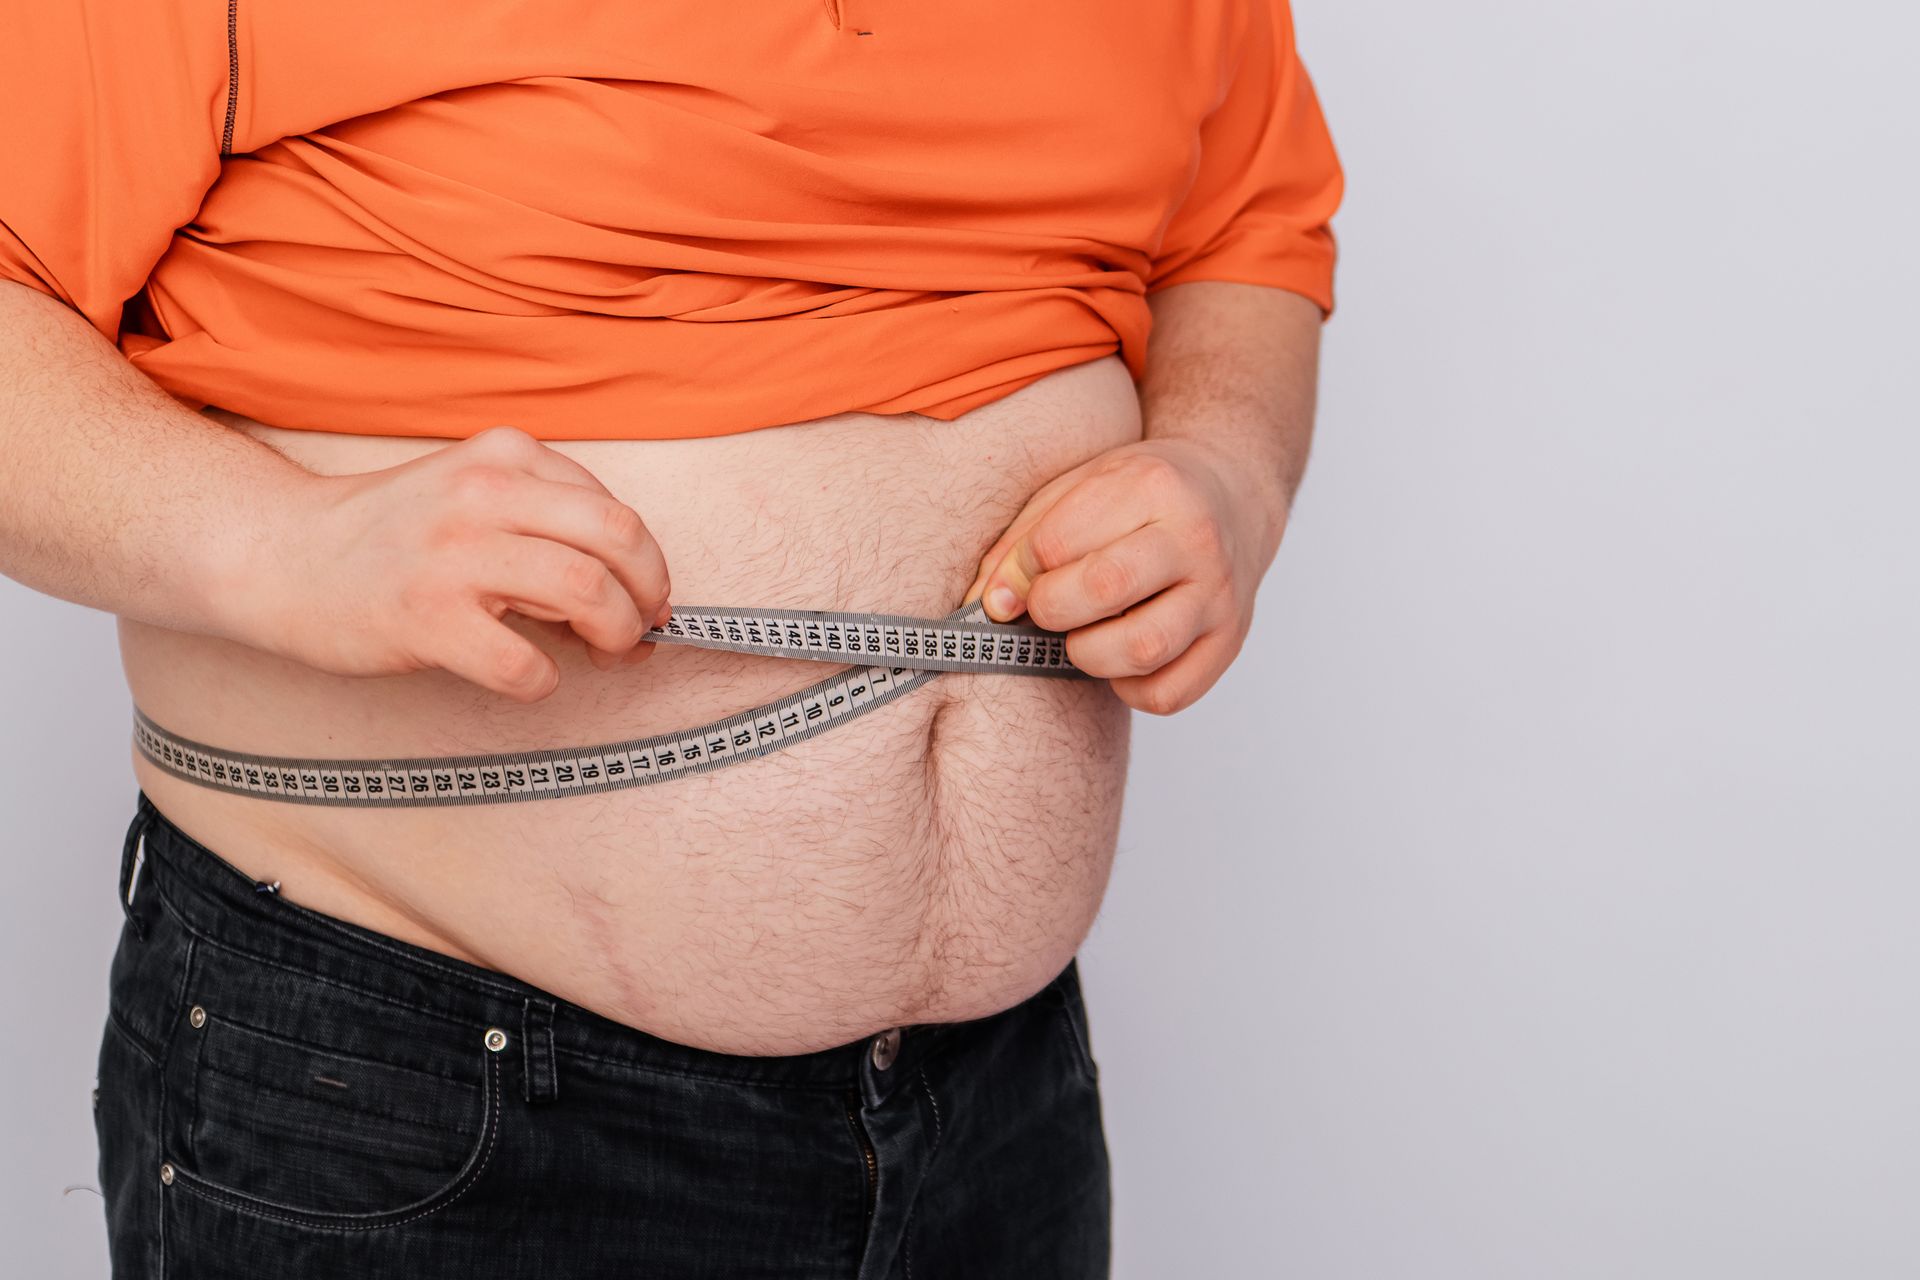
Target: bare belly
940, 858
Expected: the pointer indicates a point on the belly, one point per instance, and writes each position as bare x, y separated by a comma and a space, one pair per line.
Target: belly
939, 858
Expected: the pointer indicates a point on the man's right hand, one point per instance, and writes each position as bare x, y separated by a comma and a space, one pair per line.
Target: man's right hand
411, 567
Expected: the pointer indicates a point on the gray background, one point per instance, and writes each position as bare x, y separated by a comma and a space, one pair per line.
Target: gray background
1536, 897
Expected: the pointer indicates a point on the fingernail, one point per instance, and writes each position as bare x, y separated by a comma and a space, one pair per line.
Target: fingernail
1001, 602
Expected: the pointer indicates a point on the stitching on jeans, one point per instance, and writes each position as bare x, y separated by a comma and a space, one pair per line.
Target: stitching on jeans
160, 1112
935, 1104
1082, 1052
466, 1182
333, 1051
675, 1073
261, 1086
115, 1023
192, 1089
553, 1068
180, 996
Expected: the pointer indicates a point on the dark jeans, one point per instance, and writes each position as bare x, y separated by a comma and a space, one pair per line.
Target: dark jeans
286, 1094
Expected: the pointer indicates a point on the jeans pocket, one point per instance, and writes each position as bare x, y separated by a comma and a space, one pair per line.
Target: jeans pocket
290, 1125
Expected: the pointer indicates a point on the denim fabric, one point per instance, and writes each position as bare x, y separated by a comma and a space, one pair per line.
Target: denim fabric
286, 1094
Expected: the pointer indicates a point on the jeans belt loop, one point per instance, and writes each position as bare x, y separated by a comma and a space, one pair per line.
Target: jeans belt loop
135, 841
539, 1082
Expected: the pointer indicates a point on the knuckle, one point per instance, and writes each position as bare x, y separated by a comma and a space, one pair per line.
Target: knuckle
1155, 473
1206, 538
1049, 546
582, 578
1160, 698
1109, 579
1147, 646
517, 665
623, 526
504, 438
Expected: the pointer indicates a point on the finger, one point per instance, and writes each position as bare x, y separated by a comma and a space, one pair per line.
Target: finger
1143, 639
1106, 580
511, 446
560, 582
559, 632
605, 661
1036, 506
480, 648
1180, 683
1098, 510
595, 523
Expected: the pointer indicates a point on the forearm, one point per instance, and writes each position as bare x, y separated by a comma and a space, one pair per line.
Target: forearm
113, 494
1235, 367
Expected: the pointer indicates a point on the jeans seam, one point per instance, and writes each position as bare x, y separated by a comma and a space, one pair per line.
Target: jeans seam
160, 1111
118, 1024
1082, 1051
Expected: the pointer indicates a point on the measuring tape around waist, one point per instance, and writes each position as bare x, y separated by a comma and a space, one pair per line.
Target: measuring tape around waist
898, 653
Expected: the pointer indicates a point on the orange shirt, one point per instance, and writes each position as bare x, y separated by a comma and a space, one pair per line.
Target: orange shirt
601, 220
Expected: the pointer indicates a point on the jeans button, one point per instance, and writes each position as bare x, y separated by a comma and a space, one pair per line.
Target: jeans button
886, 1047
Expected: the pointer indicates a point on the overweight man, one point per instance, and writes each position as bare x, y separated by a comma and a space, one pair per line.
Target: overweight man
637, 532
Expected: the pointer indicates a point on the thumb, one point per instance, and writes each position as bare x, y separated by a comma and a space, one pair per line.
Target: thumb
1007, 585
1015, 534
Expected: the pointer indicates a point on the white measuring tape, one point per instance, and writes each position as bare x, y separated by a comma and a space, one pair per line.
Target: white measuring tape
897, 653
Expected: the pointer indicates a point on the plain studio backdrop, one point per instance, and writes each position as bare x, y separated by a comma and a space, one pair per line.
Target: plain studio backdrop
1536, 897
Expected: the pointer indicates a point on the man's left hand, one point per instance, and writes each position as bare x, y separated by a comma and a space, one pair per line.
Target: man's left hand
1147, 557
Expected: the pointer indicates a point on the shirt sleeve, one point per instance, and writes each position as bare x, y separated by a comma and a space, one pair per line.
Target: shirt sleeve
1269, 180
111, 121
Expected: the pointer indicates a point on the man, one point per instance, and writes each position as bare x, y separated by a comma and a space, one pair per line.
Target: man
386, 375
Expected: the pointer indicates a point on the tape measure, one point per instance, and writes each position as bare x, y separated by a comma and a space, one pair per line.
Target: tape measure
892, 654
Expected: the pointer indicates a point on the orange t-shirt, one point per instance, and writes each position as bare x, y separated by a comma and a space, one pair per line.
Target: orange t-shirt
625, 221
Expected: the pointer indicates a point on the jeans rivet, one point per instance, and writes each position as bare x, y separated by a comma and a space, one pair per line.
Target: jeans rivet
496, 1039
197, 1016
886, 1047
166, 1175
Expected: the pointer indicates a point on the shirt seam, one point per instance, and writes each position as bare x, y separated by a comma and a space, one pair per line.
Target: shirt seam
233, 75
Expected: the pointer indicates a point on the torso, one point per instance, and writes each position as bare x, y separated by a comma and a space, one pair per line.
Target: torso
940, 858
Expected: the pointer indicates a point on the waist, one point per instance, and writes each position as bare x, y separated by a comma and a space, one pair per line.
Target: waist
911, 868
181, 885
